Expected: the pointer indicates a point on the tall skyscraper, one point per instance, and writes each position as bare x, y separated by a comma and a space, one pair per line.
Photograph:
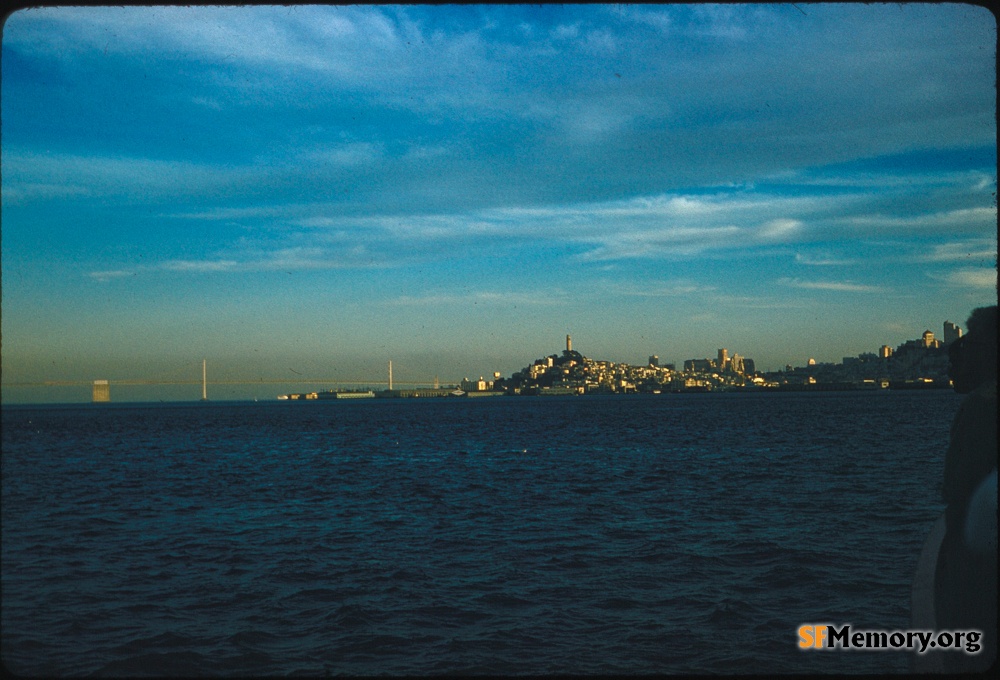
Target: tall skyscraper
723, 359
951, 332
654, 360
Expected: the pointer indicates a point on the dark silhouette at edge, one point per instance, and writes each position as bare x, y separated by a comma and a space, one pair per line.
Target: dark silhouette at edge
965, 579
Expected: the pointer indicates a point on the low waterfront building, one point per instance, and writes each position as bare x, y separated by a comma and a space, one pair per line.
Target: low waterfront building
101, 391
480, 385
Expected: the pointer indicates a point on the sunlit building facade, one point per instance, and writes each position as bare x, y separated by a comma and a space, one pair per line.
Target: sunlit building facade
101, 391
723, 359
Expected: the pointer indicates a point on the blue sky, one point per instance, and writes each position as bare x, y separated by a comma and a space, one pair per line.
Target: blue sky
317, 190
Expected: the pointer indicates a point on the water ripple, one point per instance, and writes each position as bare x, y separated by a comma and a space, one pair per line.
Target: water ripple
583, 536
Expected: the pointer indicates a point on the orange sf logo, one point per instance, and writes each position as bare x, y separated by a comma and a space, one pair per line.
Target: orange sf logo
812, 636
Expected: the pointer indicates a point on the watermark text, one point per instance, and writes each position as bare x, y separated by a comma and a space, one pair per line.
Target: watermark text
829, 636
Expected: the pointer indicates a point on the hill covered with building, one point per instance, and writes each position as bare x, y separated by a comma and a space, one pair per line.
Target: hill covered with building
913, 364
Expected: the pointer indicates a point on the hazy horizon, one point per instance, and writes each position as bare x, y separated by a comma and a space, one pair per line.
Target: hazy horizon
182, 382
316, 190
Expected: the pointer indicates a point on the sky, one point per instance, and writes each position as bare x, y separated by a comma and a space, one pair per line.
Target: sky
314, 191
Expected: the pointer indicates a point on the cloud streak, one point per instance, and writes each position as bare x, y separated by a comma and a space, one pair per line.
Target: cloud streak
835, 286
968, 250
508, 298
736, 223
982, 279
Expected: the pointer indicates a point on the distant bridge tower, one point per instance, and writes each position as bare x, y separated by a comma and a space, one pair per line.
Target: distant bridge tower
390, 375
569, 344
102, 391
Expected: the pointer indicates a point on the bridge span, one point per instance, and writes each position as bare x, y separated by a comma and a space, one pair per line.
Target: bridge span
261, 381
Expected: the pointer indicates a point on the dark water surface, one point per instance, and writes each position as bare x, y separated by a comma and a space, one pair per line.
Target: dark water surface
662, 534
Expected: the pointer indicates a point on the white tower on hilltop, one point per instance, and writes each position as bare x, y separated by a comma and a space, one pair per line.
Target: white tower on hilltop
569, 344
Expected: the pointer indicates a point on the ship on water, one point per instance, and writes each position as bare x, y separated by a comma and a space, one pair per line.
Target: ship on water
330, 394
348, 394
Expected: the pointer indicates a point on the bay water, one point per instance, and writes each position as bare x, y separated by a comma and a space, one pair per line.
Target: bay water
681, 533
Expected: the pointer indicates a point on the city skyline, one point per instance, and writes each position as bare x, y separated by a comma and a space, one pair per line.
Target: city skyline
178, 379
314, 190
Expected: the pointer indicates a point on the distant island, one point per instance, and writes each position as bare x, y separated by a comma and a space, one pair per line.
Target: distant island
915, 364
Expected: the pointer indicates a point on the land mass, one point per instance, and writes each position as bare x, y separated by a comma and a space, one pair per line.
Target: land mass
916, 364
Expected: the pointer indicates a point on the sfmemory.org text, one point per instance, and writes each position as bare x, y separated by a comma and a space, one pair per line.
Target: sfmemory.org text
819, 636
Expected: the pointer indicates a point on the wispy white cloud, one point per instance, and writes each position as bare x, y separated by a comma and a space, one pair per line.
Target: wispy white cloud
515, 298
836, 286
737, 223
21, 193
344, 155
31, 176
653, 288
659, 18
254, 212
256, 258
977, 218
202, 266
868, 180
983, 279
780, 229
824, 260
566, 31
37, 175
720, 21
284, 257
971, 249
109, 275
762, 302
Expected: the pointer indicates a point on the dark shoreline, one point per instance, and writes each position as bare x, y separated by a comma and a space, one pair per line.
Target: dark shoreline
901, 386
